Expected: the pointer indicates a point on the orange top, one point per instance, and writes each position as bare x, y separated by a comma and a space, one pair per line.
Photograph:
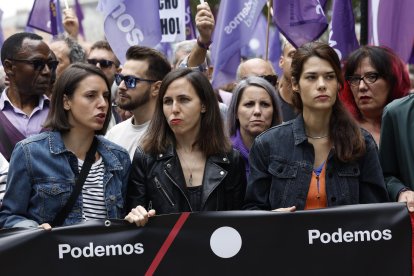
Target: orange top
317, 191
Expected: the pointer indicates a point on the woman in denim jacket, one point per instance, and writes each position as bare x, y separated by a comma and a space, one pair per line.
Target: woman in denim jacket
43, 168
321, 158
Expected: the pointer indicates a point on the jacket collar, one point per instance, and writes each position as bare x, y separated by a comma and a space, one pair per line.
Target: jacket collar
56, 146
299, 130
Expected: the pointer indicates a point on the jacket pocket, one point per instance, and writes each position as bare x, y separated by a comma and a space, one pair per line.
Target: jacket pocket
163, 191
50, 198
284, 178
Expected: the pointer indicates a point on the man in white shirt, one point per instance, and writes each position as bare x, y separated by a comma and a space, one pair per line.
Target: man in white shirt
139, 83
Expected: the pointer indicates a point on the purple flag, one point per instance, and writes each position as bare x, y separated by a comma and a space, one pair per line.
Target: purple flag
39, 17
129, 22
342, 34
79, 14
189, 24
391, 23
1, 29
257, 44
56, 25
235, 24
275, 50
300, 21
46, 16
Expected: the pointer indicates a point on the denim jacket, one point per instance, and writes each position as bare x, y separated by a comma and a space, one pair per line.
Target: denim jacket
42, 175
281, 165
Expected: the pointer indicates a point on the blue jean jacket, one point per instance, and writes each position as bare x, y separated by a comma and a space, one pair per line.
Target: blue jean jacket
42, 175
281, 164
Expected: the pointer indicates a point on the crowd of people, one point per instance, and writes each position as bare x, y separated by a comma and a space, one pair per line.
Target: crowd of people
84, 137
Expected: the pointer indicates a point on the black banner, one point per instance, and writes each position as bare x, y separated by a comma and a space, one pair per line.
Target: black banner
372, 239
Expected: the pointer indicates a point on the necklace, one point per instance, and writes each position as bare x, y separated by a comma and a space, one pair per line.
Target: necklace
190, 178
317, 137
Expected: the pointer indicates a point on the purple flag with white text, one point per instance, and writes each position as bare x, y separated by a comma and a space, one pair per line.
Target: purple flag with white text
391, 24
257, 44
342, 34
129, 22
300, 21
235, 24
189, 24
79, 14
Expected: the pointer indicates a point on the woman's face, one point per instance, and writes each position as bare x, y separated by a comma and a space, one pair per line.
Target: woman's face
255, 111
369, 97
182, 108
89, 104
318, 84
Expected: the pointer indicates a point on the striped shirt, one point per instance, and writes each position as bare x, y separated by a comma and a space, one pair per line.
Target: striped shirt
4, 168
93, 192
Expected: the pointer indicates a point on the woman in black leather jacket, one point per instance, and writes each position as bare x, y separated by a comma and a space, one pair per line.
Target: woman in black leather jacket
185, 162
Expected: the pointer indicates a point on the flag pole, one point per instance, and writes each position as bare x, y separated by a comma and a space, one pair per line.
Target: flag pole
269, 7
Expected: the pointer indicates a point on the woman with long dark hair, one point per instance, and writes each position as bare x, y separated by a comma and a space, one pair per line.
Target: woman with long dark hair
185, 161
322, 158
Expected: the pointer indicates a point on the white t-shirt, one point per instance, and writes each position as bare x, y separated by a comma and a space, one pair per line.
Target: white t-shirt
127, 135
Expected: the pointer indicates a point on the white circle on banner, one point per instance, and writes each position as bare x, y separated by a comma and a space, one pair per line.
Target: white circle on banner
225, 242
254, 43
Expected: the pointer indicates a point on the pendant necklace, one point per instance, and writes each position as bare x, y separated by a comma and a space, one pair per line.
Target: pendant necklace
190, 178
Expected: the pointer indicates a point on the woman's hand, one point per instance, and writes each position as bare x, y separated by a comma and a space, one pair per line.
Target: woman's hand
45, 226
407, 196
139, 215
288, 209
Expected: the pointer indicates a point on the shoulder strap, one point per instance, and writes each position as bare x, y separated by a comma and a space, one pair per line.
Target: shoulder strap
89, 160
5, 139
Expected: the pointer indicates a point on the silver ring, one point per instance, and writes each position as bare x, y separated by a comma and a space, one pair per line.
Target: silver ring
107, 223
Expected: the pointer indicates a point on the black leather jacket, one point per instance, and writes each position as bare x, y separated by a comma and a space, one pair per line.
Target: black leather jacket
157, 182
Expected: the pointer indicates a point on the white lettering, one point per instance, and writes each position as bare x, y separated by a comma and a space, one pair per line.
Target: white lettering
339, 236
90, 250
126, 24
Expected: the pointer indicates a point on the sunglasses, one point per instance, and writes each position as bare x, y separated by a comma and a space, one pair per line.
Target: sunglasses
130, 81
103, 63
39, 64
272, 79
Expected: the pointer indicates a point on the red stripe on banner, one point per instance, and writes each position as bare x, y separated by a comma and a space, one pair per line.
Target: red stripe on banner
167, 243
412, 243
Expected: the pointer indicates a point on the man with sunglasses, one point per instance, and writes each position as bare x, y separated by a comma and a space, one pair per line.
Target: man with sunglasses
139, 83
29, 66
102, 56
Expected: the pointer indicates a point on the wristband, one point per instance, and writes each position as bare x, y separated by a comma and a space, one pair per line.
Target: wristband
203, 45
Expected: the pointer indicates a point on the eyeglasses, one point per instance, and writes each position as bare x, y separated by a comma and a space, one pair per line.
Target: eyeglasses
272, 79
130, 81
103, 63
38, 64
368, 78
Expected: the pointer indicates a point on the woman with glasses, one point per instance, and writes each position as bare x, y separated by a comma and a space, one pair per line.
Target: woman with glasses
185, 162
322, 158
375, 77
45, 169
253, 109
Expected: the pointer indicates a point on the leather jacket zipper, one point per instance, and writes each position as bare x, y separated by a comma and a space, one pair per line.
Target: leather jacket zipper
159, 186
172, 180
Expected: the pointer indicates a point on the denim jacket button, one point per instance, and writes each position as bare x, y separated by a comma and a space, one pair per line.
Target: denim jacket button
221, 173
224, 159
160, 155
169, 166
